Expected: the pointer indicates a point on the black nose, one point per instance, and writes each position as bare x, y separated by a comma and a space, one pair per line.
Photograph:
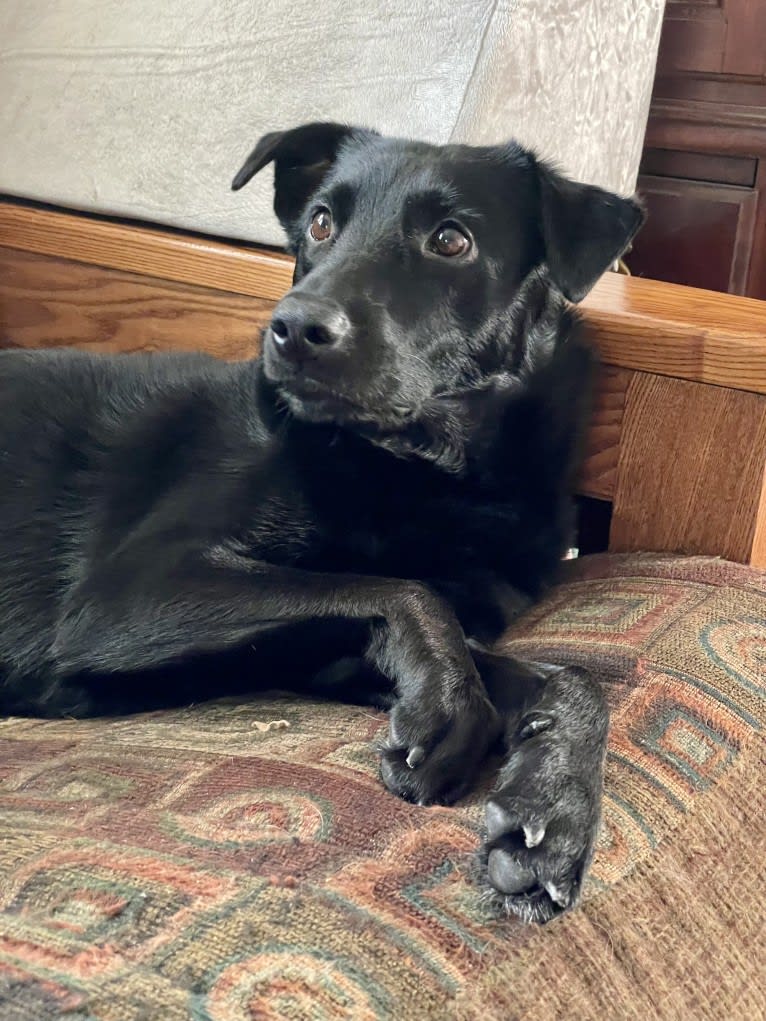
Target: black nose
304, 326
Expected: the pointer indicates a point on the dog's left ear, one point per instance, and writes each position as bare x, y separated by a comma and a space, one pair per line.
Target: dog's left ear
301, 156
584, 228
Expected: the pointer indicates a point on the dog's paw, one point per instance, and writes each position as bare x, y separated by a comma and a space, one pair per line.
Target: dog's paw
542, 822
432, 755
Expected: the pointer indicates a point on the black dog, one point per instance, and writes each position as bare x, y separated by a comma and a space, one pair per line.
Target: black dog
392, 476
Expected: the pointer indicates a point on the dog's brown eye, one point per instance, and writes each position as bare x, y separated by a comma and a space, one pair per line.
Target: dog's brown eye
321, 225
449, 242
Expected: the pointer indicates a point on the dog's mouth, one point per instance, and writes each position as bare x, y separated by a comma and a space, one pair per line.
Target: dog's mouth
313, 400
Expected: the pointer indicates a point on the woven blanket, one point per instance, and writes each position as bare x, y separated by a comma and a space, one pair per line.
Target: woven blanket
240, 861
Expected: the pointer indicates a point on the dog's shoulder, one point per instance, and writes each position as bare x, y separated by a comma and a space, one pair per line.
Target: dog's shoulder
84, 378
117, 432
116, 393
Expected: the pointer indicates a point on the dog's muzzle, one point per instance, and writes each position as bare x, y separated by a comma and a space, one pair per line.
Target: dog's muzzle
305, 327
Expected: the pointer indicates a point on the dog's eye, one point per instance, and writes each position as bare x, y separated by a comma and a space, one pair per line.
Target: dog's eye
449, 241
321, 225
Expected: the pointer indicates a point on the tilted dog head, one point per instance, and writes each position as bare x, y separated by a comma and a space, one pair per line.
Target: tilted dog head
410, 265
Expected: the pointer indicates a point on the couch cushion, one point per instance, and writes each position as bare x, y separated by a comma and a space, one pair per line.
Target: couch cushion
238, 861
149, 111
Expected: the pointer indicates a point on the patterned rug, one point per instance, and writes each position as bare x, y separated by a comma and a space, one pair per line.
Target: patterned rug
241, 862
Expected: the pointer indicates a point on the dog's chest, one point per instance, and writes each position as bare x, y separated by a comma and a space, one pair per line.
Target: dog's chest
411, 526
441, 538
345, 506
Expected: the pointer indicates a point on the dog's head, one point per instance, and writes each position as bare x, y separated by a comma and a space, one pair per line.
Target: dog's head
410, 265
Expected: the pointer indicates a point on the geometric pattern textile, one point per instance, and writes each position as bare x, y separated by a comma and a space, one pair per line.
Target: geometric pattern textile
240, 860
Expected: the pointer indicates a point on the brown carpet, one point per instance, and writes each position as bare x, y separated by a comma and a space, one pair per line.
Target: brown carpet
241, 862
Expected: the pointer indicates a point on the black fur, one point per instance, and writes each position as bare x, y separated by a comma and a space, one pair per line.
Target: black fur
393, 476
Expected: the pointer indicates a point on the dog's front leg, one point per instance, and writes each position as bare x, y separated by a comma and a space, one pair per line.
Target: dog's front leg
153, 605
542, 819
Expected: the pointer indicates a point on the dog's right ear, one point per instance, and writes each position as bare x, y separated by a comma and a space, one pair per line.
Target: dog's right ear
301, 156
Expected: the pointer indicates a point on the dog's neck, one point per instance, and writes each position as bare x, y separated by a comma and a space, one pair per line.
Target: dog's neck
456, 432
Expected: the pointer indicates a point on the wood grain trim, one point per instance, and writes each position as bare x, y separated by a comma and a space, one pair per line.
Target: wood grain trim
637, 324
598, 476
758, 548
690, 476
49, 302
146, 250
701, 336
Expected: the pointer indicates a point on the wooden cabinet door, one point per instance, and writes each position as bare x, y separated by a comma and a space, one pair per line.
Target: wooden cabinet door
696, 233
714, 37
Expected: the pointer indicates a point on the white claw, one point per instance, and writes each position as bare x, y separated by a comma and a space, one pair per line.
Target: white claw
416, 756
533, 835
557, 894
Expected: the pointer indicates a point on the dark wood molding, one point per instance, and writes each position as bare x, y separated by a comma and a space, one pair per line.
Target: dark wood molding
711, 88
707, 122
706, 126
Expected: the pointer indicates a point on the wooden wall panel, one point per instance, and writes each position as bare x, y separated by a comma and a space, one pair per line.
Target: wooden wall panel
699, 166
691, 470
713, 37
757, 281
48, 302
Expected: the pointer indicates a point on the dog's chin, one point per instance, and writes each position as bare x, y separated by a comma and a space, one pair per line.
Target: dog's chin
315, 408
310, 401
